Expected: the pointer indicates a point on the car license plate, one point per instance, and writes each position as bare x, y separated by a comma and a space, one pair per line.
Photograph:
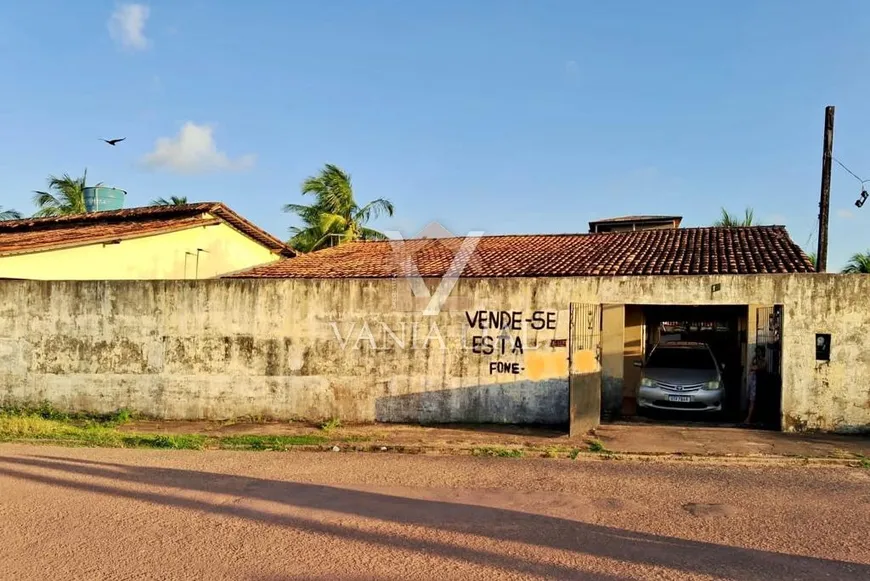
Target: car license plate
679, 398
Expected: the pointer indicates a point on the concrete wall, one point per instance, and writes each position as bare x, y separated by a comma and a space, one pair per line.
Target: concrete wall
149, 257
634, 350
350, 349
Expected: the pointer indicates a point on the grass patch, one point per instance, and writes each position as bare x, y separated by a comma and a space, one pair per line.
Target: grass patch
597, 447
574, 453
254, 442
90, 432
330, 425
497, 452
165, 441
864, 462
34, 427
47, 411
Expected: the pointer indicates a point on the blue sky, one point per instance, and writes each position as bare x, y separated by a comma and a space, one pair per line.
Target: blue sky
504, 116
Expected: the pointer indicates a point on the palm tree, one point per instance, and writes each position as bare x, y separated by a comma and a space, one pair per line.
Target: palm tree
858, 264
728, 220
172, 201
334, 217
9, 214
65, 196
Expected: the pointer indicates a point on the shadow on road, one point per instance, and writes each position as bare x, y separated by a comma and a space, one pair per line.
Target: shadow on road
494, 523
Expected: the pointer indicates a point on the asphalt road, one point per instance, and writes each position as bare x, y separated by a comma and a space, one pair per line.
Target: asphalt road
140, 514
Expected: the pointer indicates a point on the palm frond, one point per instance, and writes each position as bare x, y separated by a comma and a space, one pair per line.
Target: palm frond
65, 195
858, 264
172, 201
373, 210
729, 220
300, 209
9, 214
334, 216
304, 240
332, 223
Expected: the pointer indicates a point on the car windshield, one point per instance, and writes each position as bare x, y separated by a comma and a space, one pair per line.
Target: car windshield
665, 358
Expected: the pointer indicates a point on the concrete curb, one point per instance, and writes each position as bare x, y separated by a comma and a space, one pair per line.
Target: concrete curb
508, 453
585, 456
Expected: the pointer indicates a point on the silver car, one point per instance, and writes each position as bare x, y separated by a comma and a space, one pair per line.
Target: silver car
681, 376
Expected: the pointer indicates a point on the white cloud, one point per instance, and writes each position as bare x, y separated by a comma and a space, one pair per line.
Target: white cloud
193, 150
845, 214
572, 69
127, 26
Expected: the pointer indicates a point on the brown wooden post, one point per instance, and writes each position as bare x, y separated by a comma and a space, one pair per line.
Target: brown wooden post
825, 198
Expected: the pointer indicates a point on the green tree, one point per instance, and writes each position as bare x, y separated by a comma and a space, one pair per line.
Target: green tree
65, 196
858, 264
812, 257
728, 220
334, 217
9, 214
172, 201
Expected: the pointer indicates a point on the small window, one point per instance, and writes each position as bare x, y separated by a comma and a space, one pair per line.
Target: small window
823, 346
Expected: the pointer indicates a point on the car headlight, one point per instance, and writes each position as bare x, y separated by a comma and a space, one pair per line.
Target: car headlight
647, 382
711, 385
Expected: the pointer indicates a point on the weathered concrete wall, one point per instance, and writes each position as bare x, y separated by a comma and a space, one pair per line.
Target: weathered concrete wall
349, 349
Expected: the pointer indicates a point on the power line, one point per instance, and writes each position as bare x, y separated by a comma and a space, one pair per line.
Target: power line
863, 197
810, 238
850, 171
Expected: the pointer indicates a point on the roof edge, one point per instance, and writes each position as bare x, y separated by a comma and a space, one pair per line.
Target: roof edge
218, 210
103, 239
621, 233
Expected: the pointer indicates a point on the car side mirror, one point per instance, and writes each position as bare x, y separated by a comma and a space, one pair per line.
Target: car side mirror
638, 363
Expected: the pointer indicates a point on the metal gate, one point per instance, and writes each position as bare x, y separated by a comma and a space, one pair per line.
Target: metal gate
768, 335
584, 367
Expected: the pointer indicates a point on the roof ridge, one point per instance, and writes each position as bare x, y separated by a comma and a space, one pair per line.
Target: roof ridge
553, 234
108, 215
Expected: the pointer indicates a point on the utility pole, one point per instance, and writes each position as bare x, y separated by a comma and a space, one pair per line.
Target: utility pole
825, 198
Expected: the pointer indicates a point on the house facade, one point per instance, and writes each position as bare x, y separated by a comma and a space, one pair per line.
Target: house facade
612, 299
192, 241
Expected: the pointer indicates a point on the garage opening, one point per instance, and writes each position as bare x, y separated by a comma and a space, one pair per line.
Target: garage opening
691, 363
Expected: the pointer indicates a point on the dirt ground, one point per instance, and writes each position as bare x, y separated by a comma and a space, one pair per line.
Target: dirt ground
95, 514
625, 437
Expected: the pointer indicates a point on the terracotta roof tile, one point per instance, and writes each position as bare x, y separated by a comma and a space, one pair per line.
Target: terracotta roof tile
33, 234
748, 250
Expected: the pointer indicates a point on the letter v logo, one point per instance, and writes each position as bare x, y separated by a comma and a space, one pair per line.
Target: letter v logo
407, 269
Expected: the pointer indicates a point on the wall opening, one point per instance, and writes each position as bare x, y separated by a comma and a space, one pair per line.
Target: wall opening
687, 363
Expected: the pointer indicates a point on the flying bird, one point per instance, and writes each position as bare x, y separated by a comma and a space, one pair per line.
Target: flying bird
112, 142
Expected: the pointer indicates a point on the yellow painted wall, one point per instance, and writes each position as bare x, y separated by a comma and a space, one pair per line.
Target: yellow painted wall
161, 256
634, 351
612, 355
